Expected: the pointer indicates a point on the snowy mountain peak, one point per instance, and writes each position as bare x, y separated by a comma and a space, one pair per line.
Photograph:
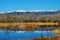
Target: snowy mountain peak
29, 11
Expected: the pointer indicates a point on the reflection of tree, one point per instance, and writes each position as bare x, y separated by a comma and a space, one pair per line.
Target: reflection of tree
16, 28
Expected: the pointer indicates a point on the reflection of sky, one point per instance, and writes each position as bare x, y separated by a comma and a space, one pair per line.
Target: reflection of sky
22, 35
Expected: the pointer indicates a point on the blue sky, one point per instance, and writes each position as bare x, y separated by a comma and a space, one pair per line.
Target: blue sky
10, 5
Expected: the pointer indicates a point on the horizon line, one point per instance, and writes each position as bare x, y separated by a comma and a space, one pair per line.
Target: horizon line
28, 11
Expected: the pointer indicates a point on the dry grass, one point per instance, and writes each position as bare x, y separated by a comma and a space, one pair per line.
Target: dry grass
29, 25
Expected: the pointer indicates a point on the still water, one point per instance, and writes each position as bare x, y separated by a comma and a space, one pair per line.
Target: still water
12, 35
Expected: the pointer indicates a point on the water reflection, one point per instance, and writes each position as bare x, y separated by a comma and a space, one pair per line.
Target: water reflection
24, 34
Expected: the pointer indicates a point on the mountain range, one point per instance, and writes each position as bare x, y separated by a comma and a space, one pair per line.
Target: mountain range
28, 16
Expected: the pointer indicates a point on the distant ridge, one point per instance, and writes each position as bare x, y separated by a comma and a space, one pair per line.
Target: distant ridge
41, 12
28, 11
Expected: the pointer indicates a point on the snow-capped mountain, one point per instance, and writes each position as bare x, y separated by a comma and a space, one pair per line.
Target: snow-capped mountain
41, 12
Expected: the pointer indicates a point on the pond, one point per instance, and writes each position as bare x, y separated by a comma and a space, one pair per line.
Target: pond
15, 35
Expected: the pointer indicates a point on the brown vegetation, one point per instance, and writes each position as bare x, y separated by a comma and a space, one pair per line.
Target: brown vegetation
26, 26
48, 38
28, 17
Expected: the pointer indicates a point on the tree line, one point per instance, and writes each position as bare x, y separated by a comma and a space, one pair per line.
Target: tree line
30, 17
